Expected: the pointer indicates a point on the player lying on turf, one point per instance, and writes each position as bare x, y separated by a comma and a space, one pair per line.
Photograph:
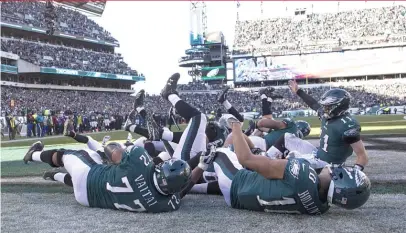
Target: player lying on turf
108, 153
136, 183
285, 186
158, 135
156, 139
340, 132
211, 188
273, 128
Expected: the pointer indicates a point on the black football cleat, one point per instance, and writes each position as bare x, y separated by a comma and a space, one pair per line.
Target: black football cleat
157, 118
36, 146
139, 99
223, 95
155, 132
49, 175
268, 91
170, 87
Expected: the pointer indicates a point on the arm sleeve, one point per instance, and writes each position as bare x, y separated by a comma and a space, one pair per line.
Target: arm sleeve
310, 101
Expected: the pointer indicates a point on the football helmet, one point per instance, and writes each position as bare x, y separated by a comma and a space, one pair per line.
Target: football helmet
335, 102
349, 188
303, 128
216, 132
172, 176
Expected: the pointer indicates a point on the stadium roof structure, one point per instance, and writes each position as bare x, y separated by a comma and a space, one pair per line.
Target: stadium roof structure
92, 7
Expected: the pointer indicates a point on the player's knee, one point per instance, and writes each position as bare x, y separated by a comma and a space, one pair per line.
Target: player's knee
68, 180
57, 158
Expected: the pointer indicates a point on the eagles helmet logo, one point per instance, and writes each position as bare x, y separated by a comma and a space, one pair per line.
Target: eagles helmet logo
213, 73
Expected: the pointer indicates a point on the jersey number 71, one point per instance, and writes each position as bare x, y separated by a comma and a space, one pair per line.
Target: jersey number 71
127, 189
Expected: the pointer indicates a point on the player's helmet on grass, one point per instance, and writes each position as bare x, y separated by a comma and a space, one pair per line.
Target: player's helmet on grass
349, 188
303, 128
216, 132
335, 102
172, 176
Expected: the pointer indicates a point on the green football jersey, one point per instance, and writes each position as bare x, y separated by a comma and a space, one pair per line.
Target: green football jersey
128, 185
297, 192
333, 147
274, 135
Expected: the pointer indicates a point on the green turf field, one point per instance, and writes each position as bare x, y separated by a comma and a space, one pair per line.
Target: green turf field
31, 204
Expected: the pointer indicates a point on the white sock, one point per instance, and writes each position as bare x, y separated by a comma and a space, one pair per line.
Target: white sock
274, 153
60, 177
199, 188
164, 156
132, 128
36, 156
227, 105
139, 109
173, 98
167, 135
263, 96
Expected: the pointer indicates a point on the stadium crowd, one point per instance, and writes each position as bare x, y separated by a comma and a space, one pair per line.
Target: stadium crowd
68, 21
86, 102
200, 86
67, 57
322, 31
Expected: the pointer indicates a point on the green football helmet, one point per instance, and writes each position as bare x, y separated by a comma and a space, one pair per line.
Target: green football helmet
349, 188
303, 128
171, 176
335, 102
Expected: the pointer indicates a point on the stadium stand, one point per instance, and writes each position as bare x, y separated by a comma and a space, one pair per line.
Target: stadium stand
200, 86
327, 30
67, 57
366, 94
69, 21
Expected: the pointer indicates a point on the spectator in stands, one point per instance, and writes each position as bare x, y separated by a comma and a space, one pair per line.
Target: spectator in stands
68, 21
365, 96
322, 31
66, 57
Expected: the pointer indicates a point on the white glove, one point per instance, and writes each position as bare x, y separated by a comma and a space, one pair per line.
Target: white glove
207, 158
359, 167
129, 137
105, 140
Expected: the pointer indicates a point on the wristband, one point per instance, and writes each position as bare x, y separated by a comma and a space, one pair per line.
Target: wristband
359, 167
